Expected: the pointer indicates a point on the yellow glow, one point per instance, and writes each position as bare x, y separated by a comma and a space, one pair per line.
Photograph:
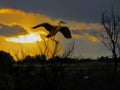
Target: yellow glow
94, 39
5, 11
19, 44
91, 38
43, 32
31, 38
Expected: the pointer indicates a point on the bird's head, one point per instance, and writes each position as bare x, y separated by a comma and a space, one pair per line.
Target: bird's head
61, 22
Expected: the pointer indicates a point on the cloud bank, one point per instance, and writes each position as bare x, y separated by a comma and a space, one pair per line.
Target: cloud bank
15, 23
21, 22
9, 31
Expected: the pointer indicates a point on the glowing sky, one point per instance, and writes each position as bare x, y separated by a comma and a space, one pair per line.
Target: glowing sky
82, 17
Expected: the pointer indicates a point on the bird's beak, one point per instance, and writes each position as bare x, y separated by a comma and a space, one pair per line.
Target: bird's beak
63, 22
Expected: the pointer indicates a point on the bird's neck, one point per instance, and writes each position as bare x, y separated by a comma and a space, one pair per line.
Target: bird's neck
59, 24
58, 27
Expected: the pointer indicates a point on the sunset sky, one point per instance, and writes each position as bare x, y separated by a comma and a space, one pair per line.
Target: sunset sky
81, 16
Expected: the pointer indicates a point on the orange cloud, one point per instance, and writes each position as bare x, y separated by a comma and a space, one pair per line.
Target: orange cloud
91, 38
85, 30
27, 20
84, 26
13, 23
18, 17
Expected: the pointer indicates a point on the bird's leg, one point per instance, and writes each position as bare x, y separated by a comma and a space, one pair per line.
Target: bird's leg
53, 39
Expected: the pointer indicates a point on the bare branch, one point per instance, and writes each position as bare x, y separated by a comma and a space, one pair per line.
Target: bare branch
111, 24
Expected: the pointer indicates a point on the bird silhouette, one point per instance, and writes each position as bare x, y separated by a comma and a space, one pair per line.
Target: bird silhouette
54, 29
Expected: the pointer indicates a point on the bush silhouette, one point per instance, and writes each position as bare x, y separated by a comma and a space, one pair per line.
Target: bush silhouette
6, 82
6, 61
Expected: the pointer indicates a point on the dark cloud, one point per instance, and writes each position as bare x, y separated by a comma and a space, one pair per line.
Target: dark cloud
91, 32
84, 32
80, 10
6, 30
76, 32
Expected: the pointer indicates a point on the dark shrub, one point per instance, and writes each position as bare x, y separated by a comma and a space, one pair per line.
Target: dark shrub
6, 61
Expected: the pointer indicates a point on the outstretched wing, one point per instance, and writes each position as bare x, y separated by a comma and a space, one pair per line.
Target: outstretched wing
47, 26
66, 32
34, 27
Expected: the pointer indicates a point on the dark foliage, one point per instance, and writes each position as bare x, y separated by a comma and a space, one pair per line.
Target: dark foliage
6, 61
37, 73
6, 64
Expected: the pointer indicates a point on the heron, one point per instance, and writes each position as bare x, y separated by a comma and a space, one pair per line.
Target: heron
54, 29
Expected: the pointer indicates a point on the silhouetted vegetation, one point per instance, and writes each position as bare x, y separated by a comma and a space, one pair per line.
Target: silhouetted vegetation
37, 73
111, 24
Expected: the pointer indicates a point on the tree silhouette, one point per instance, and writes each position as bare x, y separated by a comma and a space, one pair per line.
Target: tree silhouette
111, 24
